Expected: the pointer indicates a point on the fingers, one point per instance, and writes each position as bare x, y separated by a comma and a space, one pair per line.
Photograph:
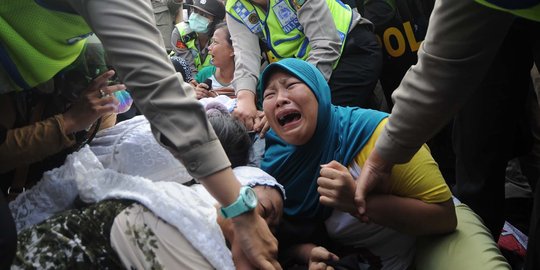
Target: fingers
100, 82
114, 88
320, 266
335, 165
249, 122
266, 265
319, 257
246, 118
264, 129
256, 122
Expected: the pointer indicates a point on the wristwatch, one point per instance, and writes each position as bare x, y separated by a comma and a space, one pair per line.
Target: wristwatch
247, 201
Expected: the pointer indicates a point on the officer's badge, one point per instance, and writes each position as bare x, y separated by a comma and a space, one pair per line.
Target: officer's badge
180, 45
298, 3
253, 18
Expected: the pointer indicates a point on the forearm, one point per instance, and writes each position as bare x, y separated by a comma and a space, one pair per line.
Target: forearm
412, 216
462, 40
319, 28
133, 43
247, 56
33, 143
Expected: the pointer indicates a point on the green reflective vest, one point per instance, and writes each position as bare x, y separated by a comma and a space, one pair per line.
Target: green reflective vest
189, 40
529, 9
36, 42
279, 28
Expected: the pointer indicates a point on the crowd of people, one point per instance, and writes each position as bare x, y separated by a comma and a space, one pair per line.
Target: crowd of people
260, 143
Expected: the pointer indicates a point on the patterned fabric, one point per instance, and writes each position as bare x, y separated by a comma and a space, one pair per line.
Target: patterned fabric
180, 65
142, 236
75, 239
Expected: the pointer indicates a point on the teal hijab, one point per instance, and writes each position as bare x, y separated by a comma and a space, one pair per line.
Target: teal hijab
340, 134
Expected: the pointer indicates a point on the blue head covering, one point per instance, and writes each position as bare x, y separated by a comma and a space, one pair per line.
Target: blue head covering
340, 134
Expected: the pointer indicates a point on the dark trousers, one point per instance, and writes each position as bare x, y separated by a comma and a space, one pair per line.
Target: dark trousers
353, 80
8, 235
492, 127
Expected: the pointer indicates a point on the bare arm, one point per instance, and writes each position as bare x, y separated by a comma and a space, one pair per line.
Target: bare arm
412, 216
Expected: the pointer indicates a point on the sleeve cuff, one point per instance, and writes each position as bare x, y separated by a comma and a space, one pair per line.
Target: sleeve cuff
245, 84
204, 160
66, 139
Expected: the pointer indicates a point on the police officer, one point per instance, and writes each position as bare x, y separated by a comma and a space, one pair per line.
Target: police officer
467, 47
326, 33
191, 40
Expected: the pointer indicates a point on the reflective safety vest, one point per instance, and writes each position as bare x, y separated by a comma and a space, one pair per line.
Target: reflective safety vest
36, 42
279, 28
529, 9
188, 38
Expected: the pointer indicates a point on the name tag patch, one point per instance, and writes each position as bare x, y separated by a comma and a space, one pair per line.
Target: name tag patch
286, 17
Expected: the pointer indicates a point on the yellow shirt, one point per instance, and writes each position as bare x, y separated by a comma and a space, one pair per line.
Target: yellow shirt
420, 178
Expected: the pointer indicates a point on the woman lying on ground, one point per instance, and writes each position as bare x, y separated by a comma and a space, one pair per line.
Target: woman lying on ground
141, 217
316, 150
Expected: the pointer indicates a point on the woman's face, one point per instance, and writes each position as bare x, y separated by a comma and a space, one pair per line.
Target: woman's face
222, 52
290, 108
270, 206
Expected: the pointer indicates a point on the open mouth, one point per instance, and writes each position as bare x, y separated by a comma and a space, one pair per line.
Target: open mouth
288, 117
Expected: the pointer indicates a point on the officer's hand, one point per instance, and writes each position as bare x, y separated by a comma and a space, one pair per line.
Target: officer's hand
259, 245
245, 110
375, 174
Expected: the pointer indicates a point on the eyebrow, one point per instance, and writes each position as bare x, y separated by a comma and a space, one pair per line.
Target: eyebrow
280, 81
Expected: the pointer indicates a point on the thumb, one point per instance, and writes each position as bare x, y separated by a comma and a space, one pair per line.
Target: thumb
360, 196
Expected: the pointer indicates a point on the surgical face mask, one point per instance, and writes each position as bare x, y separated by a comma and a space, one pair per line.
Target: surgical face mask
198, 23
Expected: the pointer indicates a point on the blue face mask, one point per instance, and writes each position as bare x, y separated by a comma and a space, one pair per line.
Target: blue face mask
198, 23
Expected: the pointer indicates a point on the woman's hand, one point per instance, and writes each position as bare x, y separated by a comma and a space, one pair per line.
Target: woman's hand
202, 91
96, 101
263, 125
319, 257
337, 187
245, 110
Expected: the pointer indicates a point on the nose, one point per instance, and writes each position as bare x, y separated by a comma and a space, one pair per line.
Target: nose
282, 97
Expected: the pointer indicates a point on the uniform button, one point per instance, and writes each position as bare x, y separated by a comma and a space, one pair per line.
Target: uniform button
194, 165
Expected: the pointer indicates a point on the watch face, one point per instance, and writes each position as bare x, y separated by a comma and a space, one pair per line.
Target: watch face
250, 198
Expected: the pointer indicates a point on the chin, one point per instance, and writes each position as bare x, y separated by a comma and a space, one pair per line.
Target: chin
294, 139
